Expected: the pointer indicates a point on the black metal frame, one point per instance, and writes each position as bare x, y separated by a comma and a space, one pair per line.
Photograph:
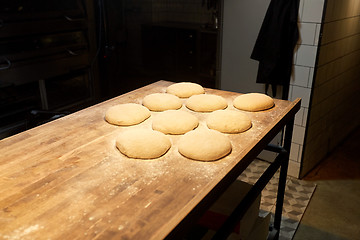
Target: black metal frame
281, 161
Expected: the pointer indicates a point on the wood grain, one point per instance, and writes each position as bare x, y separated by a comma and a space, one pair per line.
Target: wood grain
66, 179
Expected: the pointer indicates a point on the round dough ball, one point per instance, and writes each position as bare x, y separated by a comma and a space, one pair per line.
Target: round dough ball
127, 114
253, 102
143, 143
161, 102
228, 121
175, 122
185, 89
204, 145
206, 103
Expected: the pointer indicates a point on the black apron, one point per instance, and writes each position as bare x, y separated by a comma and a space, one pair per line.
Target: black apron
275, 44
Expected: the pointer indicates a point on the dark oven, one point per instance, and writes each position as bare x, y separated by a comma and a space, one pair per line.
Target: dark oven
45, 61
38, 16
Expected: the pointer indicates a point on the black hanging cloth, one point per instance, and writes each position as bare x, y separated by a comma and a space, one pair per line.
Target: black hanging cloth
275, 44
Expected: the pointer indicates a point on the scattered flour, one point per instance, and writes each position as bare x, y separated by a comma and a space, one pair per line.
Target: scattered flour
22, 233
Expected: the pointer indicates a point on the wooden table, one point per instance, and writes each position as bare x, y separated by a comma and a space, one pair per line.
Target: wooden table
66, 179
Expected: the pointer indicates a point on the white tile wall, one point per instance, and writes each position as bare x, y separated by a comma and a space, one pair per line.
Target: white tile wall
311, 76
303, 93
317, 34
300, 76
306, 110
301, 7
294, 153
307, 33
310, 17
295, 53
298, 135
290, 91
300, 152
306, 55
294, 169
299, 117
312, 11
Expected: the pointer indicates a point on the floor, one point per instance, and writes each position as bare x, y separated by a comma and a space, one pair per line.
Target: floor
297, 196
334, 210
323, 205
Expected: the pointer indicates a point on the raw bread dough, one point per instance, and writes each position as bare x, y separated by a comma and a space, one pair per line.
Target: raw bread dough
185, 89
162, 102
228, 121
175, 122
206, 103
253, 102
143, 143
204, 145
127, 114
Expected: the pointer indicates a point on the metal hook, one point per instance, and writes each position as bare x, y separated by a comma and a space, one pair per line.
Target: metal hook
8, 64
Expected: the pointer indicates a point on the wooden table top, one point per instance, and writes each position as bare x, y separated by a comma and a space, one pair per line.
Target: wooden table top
67, 180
